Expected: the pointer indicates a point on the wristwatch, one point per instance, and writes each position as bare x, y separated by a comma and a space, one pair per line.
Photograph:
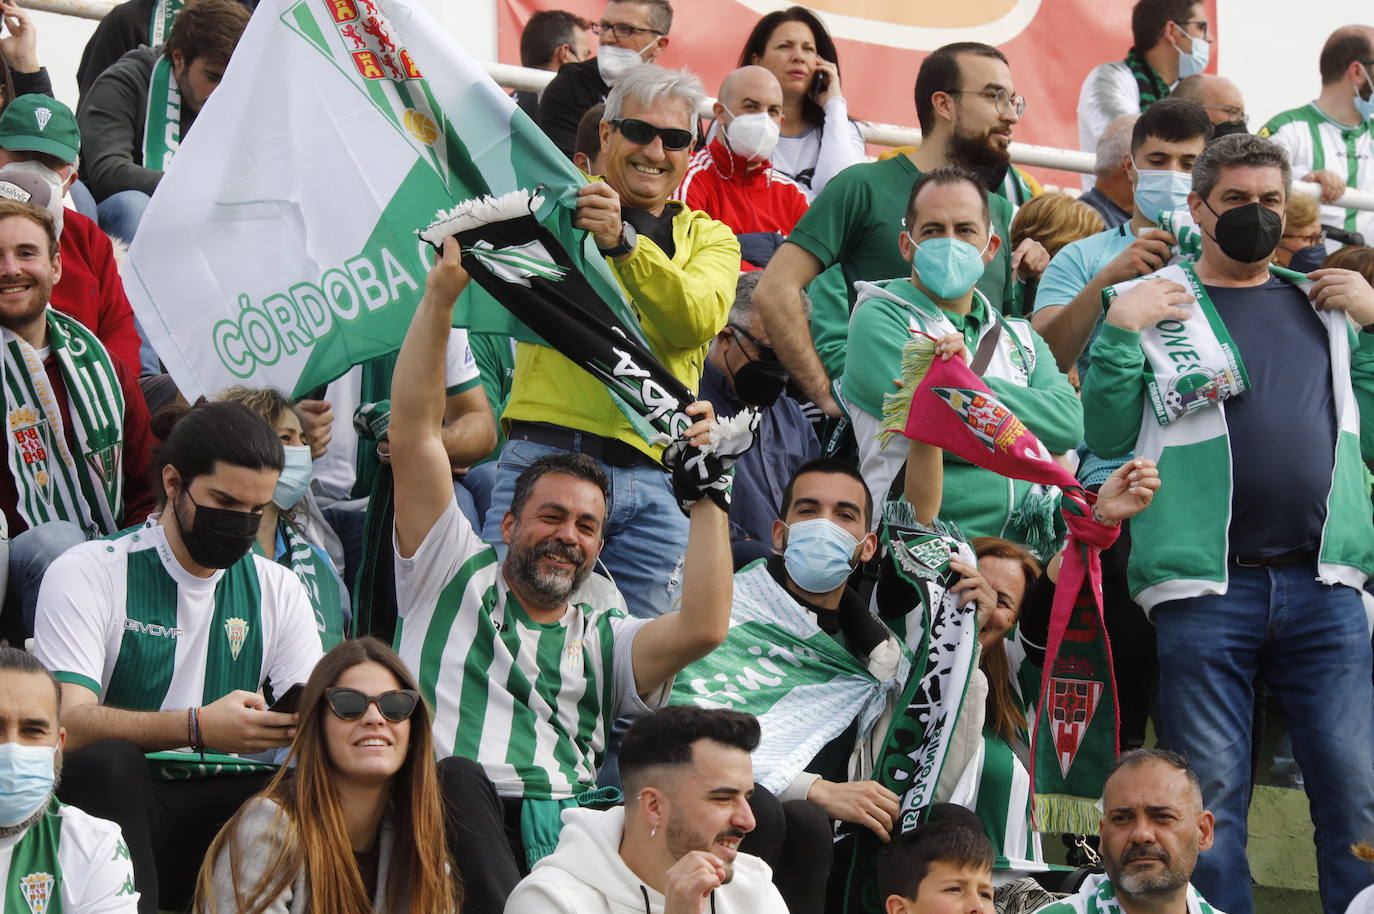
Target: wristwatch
628, 239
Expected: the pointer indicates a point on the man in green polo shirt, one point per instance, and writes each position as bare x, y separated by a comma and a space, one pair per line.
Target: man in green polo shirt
947, 247
966, 104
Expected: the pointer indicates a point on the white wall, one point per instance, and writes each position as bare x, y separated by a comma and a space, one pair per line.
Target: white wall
1270, 49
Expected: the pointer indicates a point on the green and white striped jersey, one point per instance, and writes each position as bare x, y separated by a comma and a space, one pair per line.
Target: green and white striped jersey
1315, 142
123, 618
70, 862
532, 702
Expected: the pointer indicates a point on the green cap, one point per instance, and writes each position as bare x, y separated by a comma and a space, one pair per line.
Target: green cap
40, 123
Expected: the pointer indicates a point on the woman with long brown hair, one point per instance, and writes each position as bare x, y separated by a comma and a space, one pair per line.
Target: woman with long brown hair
357, 825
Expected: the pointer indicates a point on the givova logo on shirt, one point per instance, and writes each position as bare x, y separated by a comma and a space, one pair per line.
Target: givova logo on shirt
37, 891
151, 628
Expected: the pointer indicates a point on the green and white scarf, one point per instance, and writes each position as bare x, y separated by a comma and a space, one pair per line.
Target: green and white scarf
1189, 365
320, 581
1187, 235
778, 665
162, 122
1098, 896
160, 21
913, 598
1150, 84
53, 483
34, 882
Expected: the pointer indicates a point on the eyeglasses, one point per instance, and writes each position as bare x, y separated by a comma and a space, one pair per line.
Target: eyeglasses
1201, 22
766, 353
643, 133
622, 30
1006, 102
1231, 111
350, 704
1309, 238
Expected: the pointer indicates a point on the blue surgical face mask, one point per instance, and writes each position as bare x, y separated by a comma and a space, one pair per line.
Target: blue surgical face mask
819, 554
1191, 63
948, 267
26, 779
295, 477
1365, 105
1161, 191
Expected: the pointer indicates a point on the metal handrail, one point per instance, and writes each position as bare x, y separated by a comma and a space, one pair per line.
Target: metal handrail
890, 135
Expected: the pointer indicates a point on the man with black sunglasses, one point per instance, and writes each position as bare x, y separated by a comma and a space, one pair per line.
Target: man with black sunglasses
743, 370
631, 32
678, 266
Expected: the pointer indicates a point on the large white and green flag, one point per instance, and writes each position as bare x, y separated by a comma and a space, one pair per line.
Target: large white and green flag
281, 247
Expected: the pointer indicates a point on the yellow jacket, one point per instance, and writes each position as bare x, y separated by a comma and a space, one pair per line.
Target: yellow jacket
681, 303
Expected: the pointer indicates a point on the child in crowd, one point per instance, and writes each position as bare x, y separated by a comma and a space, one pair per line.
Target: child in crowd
940, 868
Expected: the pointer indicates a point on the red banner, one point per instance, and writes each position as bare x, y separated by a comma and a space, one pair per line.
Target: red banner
1051, 44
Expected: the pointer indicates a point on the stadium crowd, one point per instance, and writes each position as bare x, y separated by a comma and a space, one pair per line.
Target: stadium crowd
453, 633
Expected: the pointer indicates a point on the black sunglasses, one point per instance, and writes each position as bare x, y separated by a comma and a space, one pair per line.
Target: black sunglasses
766, 352
643, 133
350, 704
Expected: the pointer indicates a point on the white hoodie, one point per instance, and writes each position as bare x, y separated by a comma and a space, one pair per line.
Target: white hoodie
585, 875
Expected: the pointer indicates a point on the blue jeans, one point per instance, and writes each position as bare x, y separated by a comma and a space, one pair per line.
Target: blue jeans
1309, 643
119, 214
84, 202
646, 532
31, 552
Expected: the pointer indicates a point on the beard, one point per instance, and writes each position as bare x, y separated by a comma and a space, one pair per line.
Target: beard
21, 318
979, 150
522, 565
9, 831
681, 839
1169, 878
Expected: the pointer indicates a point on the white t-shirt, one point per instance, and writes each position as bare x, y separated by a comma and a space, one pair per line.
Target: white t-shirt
532, 702
1109, 92
123, 618
96, 874
336, 471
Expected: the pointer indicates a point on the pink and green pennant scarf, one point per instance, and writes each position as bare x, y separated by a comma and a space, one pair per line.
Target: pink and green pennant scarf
1074, 741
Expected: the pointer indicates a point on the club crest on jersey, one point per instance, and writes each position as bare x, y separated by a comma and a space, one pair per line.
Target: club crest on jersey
1072, 705
37, 891
237, 632
572, 654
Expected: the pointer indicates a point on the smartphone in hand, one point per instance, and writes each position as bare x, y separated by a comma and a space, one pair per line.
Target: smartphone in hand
289, 702
820, 81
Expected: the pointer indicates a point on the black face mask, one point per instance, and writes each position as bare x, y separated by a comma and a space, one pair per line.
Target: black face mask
1249, 233
218, 537
1305, 260
760, 383
1226, 128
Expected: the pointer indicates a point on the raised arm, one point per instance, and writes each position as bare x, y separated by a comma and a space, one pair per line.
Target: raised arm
778, 297
674, 640
924, 484
419, 460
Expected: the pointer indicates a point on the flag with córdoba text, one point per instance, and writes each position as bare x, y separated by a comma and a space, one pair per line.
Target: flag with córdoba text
281, 246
